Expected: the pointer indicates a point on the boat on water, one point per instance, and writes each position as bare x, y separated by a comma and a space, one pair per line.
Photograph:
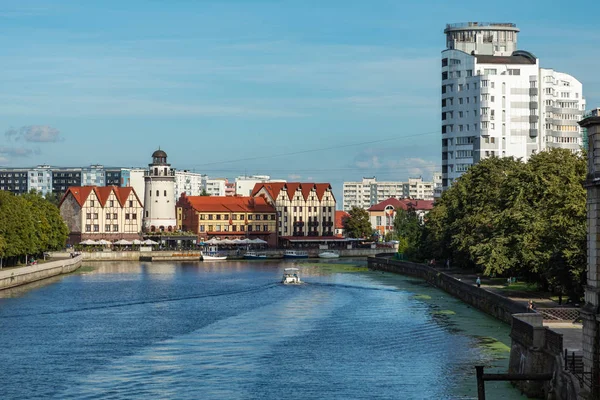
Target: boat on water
253, 255
291, 276
329, 254
212, 256
295, 254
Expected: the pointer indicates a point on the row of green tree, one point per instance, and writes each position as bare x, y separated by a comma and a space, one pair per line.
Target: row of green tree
29, 226
505, 217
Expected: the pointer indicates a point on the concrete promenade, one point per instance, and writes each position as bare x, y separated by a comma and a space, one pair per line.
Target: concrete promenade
12, 277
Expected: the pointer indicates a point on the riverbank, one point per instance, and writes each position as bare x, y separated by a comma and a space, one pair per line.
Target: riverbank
189, 255
13, 277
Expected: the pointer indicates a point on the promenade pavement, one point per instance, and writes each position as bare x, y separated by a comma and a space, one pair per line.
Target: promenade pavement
572, 331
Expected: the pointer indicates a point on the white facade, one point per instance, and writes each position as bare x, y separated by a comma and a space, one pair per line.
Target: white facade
369, 191
216, 187
159, 198
499, 102
192, 183
40, 179
245, 184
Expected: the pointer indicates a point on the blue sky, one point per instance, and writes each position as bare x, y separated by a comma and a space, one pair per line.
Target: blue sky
215, 83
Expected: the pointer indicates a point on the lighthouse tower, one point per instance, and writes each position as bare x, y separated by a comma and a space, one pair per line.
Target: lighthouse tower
159, 201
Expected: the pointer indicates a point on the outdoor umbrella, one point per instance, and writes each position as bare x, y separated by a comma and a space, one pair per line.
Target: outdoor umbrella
104, 242
136, 241
88, 242
123, 242
258, 241
150, 242
213, 241
237, 241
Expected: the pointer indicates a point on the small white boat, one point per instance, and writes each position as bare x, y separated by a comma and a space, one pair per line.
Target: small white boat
253, 255
295, 254
212, 257
291, 276
329, 254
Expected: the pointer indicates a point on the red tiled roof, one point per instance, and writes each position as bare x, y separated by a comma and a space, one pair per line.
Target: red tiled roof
405, 204
229, 203
81, 193
339, 219
274, 188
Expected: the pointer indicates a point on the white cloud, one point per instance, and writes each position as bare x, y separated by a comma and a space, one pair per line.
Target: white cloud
34, 133
294, 177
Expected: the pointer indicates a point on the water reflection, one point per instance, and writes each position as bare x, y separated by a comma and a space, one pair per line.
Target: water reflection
230, 330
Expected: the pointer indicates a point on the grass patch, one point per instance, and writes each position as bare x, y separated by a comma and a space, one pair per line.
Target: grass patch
444, 312
421, 297
521, 287
493, 347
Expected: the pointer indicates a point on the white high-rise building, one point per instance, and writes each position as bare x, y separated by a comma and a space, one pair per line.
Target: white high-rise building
192, 183
497, 101
94, 175
159, 204
369, 191
245, 184
216, 187
40, 179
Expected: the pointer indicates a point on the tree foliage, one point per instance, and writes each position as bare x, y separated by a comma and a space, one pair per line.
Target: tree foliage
508, 217
29, 225
408, 231
357, 224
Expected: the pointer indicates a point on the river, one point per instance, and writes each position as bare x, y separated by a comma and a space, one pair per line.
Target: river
229, 330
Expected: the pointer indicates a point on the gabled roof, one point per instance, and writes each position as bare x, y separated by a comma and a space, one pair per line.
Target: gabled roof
290, 188
339, 218
228, 204
81, 194
405, 204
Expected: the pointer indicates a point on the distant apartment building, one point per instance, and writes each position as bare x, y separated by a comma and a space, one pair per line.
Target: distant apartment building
303, 209
369, 191
190, 183
108, 213
498, 102
245, 184
14, 180
382, 215
94, 175
216, 186
227, 217
40, 179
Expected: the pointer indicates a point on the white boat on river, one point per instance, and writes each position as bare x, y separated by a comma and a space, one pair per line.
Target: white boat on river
212, 256
291, 276
329, 254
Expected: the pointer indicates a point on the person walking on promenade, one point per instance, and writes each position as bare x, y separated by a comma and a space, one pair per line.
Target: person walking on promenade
478, 282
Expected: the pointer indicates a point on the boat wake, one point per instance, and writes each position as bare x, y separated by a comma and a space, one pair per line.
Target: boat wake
149, 301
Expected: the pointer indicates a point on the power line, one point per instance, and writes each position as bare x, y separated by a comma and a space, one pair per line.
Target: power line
314, 150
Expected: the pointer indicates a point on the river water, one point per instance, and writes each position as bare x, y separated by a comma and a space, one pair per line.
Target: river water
229, 330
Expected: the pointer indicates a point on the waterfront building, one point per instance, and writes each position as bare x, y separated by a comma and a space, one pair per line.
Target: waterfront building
382, 215
159, 203
190, 183
228, 217
340, 216
109, 213
498, 102
590, 313
370, 192
245, 184
303, 209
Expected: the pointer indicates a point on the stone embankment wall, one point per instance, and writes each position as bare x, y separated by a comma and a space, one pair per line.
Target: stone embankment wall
184, 255
488, 302
20, 276
537, 349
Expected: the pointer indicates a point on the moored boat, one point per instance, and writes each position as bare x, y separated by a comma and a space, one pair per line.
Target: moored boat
291, 276
253, 255
295, 254
212, 256
329, 254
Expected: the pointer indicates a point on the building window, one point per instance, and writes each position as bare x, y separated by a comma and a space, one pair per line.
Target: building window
157, 193
249, 228
258, 217
107, 215
218, 216
295, 209
201, 228
96, 228
112, 203
115, 216
146, 214
165, 193
210, 216
266, 228
88, 216
91, 202
95, 215
88, 228
115, 228
130, 203
249, 217
134, 216
107, 228
257, 228
127, 216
